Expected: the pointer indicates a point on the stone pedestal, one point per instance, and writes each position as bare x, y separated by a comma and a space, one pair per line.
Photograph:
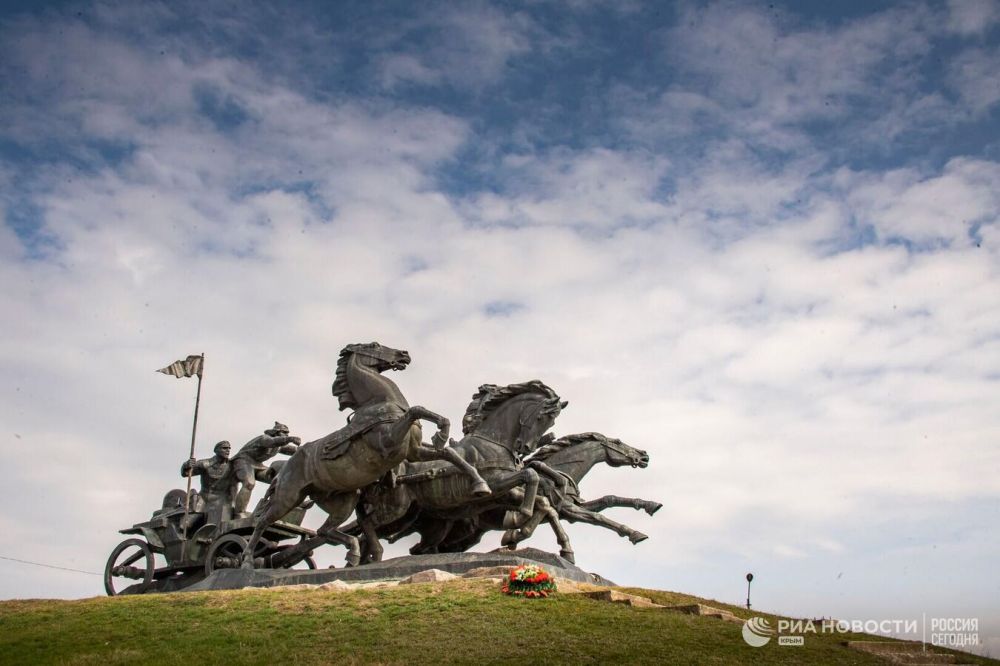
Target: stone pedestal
397, 568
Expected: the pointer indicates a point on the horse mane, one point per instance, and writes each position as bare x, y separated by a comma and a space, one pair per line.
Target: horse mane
340, 380
544, 452
490, 396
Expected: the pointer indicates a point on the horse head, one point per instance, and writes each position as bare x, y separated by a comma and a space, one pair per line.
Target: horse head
619, 454
535, 421
370, 359
592, 447
378, 357
517, 415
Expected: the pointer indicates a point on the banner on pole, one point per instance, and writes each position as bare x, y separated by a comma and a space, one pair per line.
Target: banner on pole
189, 367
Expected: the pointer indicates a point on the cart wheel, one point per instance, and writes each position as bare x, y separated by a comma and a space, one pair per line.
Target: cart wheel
226, 552
307, 560
119, 567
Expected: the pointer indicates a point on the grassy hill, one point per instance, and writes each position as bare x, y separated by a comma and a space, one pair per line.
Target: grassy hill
465, 621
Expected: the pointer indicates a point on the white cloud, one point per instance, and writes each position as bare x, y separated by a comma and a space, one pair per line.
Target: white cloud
972, 17
406, 68
788, 73
599, 188
944, 207
973, 76
466, 46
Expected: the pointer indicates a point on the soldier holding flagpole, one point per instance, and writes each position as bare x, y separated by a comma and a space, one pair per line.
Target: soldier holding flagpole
192, 365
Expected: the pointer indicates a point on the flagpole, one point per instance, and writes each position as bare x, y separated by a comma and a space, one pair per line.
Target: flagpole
194, 430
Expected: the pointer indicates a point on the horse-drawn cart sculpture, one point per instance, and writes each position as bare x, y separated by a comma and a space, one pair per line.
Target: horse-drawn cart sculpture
504, 474
132, 568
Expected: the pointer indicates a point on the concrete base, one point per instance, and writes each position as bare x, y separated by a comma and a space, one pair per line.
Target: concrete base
396, 568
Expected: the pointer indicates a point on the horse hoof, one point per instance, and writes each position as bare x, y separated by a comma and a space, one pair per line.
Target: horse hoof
568, 556
654, 508
636, 537
481, 489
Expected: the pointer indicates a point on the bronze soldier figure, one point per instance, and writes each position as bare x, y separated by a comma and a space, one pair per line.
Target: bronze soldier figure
216, 493
248, 463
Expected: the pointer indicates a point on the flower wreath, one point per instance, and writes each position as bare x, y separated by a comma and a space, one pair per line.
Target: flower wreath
529, 580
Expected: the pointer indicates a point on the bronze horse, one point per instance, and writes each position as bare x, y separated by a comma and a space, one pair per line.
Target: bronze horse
566, 461
574, 456
501, 425
382, 432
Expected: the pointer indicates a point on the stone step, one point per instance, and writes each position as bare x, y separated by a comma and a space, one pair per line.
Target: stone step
883, 647
705, 611
616, 597
500, 571
428, 576
910, 653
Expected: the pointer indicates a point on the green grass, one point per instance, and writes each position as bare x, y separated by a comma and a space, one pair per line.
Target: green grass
457, 622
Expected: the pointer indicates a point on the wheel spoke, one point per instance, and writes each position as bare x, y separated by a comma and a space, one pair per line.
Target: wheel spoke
132, 559
119, 569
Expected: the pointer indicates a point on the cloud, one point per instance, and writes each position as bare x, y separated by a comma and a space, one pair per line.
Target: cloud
943, 208
406, 68
463, 46
855, 90
972, 76
789, 73
972, 17
599, 188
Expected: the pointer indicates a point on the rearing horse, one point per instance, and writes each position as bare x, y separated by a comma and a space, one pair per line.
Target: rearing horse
383, 431
501, 425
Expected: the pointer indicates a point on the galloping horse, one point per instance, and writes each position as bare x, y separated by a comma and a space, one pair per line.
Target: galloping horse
383, 431
574, 456
567, 460
501, 425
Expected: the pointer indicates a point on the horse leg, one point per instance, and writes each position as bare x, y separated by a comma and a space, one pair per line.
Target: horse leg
479, 486
527, 478
575, 513
552, 516
543, 511
372, 550
282, 498
339, 506
512, 537
431, 537
461, 533
401, 427
609, 501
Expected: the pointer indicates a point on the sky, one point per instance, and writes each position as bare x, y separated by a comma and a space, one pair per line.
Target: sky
759, 240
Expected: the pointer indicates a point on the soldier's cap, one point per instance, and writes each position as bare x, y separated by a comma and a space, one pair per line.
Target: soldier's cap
279, 427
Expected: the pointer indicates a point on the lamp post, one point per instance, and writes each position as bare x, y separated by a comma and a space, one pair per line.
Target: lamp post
749, 580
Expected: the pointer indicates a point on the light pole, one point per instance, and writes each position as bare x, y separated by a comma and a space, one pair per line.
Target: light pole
749, 580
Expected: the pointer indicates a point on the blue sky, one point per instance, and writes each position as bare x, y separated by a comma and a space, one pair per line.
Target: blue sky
757, 239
